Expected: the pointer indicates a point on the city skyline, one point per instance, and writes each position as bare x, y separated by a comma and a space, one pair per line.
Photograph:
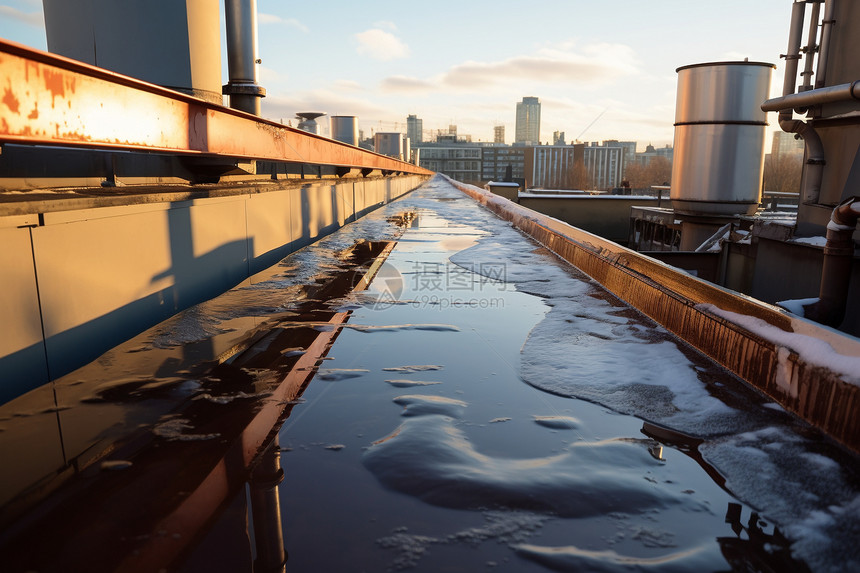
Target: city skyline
613, 78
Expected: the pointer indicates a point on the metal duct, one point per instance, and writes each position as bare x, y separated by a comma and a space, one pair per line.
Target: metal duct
242, 60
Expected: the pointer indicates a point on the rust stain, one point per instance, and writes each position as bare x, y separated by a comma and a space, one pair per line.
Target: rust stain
35, 113
9, 99
54, 83
30, 64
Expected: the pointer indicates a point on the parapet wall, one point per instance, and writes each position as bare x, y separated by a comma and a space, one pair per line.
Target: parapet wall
810, 370
82, 273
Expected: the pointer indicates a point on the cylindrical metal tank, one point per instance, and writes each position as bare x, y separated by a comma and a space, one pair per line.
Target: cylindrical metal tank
719, 137
344, 128
388, 143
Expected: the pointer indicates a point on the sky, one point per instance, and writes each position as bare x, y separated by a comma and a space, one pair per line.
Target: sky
602, 69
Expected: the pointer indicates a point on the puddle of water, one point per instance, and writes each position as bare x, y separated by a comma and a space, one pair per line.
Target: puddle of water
583, 485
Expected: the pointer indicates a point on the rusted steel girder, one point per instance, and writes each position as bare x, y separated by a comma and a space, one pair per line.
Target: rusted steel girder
51, 100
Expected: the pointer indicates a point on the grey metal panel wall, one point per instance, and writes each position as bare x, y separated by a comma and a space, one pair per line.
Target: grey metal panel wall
105, 274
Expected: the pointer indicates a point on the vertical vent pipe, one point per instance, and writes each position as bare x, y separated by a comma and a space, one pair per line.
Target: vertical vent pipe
824, 50
810, 49
838, 261
814, 149
242, 60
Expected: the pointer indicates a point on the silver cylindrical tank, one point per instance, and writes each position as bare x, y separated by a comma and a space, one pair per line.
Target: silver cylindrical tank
388, 143
719, 138
344, 128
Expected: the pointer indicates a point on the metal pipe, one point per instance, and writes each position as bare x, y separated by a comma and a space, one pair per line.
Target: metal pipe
810, 49
838, 261
818, 96
824, 50
242, 60
266, 510
814, 148
792, 56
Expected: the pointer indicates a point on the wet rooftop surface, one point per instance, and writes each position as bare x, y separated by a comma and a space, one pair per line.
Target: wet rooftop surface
480, 405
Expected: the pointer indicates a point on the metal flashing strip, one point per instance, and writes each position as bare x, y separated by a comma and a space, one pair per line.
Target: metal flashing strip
688, 307
52, 100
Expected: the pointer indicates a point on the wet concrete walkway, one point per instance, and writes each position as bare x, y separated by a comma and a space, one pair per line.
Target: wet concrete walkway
479, 406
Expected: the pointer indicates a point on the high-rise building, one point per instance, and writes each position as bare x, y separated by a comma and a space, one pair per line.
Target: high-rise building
499, 134
558, 138
414, 129
528, 121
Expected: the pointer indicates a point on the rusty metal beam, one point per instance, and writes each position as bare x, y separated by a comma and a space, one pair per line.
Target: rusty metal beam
51, 100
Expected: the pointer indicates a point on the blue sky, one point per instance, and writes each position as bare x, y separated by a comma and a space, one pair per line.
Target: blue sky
469, 62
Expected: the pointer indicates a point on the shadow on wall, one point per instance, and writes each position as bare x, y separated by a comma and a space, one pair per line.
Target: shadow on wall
76, 295
85, 281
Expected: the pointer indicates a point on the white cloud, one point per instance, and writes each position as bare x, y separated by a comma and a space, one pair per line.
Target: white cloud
405, 84
289, 22
593, 65
31, 18
348, 86
381, 45
385, 24
558, 65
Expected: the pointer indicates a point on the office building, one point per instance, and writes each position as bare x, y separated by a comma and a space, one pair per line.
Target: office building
459, 161
497, 159
499, 134
528, 122
414, 129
